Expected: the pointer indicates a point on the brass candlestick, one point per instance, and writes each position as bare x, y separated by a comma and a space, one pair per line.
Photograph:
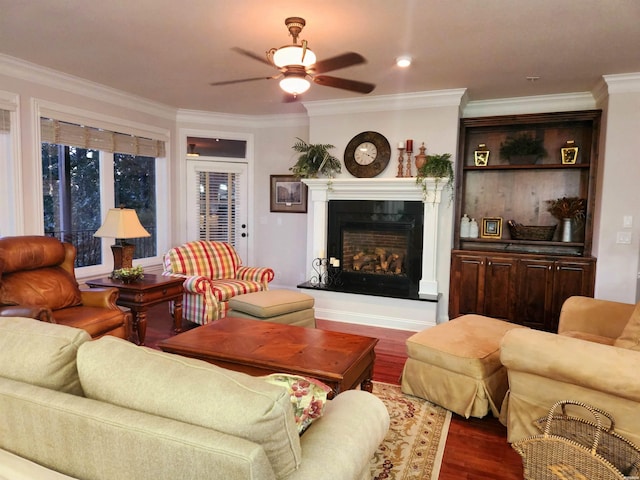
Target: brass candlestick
407, 170
400, 160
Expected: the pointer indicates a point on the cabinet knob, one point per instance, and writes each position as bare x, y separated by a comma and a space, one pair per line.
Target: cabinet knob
489, 263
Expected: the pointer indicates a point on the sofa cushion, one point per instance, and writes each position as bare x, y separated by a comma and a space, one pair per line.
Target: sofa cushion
308, 396
53, 287
195, 392
40, 353
630, 336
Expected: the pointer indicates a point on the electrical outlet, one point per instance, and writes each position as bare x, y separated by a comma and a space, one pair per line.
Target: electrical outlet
624, 238
627, 221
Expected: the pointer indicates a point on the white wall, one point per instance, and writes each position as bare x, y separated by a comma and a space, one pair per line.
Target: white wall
618, 191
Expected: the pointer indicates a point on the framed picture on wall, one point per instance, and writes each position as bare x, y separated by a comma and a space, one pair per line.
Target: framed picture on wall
288, 194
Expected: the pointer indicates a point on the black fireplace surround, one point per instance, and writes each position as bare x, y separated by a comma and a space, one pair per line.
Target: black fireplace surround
379, 246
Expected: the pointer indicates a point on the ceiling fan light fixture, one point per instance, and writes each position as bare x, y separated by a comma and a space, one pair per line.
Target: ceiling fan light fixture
292, 55
295, 84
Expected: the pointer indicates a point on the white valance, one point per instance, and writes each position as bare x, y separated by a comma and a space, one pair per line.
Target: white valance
63, 133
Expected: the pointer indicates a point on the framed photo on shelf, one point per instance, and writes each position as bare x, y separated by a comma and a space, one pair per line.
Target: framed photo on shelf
288, 194
491, 227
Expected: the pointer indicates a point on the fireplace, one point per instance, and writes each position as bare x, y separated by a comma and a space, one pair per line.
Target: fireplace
399, 206
377, 245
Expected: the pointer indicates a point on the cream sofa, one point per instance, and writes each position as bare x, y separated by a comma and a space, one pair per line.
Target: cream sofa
595, 359
72, 407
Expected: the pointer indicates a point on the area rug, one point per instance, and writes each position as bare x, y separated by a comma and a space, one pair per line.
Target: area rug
413, 447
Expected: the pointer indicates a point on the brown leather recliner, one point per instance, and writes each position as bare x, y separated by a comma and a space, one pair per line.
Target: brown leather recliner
37, 280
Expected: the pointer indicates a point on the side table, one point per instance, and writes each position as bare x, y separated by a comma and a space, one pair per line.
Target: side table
144, 293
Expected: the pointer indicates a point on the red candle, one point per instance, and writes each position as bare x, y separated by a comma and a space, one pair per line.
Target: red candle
409, 145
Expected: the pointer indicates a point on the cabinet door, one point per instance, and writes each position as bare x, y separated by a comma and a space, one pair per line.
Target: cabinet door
571, 277
535, 293
499, 287
466, 290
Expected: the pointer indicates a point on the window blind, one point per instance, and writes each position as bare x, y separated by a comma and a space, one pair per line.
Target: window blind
217, 203
63, 133
5, 121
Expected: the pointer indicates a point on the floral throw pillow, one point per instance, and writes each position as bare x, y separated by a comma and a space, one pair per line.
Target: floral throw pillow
308, 397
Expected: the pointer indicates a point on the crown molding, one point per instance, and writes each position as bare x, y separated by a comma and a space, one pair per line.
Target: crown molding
623, 83
202, 117
384, 103
17, 68
533, 104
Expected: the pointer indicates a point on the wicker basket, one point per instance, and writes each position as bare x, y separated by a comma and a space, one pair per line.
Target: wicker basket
531, 232
574, 448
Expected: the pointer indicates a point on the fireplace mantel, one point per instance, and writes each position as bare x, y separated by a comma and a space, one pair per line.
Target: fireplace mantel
430, 193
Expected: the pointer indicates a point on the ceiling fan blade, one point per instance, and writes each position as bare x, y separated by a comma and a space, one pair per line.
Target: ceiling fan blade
340, 61
242, 80
343, 83
249, 54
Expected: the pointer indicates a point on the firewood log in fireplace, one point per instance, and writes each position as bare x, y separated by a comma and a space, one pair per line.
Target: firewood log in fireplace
381, 261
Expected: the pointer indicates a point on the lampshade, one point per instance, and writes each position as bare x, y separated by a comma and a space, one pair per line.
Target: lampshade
292, 55
121, 223
295, 84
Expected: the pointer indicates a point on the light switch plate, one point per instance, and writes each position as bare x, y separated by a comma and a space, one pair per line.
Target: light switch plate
627, 221
624, 238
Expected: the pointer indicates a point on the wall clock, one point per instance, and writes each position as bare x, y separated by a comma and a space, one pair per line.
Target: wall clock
367, 154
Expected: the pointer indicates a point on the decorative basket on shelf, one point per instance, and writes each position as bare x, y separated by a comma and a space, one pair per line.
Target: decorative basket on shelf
572, 447
531, 232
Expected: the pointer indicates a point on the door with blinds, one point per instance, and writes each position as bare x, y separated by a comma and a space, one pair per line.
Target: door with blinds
218, 203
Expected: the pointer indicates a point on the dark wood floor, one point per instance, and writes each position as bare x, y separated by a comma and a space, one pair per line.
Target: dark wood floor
476, 449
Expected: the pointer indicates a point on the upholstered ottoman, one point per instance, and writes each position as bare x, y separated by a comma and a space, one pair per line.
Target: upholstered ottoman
457, 365
280, 306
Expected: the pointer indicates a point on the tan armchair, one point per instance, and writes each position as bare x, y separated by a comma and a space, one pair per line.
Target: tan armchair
594, 359
37, 280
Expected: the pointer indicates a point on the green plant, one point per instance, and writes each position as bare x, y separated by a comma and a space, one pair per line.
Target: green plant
128, 274
436, 166
314, 159
523, 144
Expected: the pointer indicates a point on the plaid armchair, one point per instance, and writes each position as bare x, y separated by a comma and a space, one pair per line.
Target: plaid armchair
213, 274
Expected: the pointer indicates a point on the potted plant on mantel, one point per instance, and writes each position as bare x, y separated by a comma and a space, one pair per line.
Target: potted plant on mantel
436, 166
314, 159
522, 149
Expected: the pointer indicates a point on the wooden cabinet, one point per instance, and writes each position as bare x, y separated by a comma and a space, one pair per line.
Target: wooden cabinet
483, 284
523, 280
524, 289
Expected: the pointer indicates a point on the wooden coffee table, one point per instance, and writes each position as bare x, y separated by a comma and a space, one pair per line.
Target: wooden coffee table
341, 360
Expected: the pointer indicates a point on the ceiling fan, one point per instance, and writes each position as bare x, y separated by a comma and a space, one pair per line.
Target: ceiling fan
298, 67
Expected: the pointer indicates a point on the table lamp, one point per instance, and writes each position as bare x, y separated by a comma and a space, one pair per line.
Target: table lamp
122, 223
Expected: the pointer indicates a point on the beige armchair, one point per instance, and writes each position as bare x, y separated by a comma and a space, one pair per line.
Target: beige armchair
37, 280
594, 359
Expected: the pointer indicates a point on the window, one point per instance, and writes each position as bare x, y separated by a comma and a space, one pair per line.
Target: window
82, 178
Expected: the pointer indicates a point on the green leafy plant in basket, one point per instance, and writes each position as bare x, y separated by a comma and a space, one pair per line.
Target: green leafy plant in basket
315, 159
522, 148
437, 166
128, 275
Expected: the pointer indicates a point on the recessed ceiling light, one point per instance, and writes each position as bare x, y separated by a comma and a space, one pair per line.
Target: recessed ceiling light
403, 61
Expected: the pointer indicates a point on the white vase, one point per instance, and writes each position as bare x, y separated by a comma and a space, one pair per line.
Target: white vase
566, 229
